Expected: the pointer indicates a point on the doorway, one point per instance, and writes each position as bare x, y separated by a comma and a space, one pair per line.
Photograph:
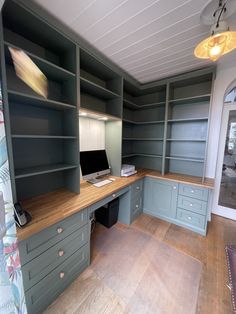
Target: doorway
225, 189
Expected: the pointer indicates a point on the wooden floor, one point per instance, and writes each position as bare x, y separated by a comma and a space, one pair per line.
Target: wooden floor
214, 296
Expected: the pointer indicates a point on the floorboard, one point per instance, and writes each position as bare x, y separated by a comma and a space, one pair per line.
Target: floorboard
213, 294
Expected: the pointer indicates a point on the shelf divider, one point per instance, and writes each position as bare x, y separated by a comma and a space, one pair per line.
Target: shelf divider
185, 158
25, 136
15, 96
34, 171
96, 90
142, 139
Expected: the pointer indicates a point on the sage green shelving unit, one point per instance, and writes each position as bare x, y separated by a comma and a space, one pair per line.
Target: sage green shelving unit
101, 92
165, 128
42, 133
101, 88
187, 125
143, 126
160, 125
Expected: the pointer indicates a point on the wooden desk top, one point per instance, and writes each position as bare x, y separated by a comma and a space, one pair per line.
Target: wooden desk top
49, 208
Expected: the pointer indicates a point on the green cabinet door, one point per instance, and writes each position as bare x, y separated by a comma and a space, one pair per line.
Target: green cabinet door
160, 198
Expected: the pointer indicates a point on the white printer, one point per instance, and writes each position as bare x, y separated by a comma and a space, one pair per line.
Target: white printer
127, 170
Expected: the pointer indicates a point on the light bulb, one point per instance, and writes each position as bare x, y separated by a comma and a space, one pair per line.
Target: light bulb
215, 52
216, 46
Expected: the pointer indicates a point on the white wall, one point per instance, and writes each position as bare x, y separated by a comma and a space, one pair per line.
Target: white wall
92, 134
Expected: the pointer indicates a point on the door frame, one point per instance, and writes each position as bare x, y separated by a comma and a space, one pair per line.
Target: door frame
216, 208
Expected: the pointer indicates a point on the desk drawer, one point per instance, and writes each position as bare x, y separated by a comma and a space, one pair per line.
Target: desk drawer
191, 219
106, 200
40, 242
44, 292
136, 207
196, 206
136, 188
42, 265
193, 191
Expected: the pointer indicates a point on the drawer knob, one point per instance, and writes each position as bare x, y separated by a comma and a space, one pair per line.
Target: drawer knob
190, 204
174, 187
62, 275
113, 195
61, 253
189, 218
137, 188
137, 206
59, 230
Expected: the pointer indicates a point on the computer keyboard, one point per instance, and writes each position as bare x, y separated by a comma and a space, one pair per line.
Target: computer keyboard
101, 183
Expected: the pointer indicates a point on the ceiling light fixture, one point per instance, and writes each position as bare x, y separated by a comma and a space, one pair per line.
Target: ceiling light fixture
221, 41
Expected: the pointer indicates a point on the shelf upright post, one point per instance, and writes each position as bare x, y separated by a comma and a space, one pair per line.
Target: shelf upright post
163, 170
208, 126
6, 112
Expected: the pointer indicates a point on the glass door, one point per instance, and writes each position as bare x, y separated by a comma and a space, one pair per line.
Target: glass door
224, 202
227, 193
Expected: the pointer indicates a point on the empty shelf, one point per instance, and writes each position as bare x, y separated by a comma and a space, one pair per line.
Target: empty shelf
23, 136
142, 155
193, 99
185, 140
31, 100
191, 159
188, 120
96, 90
142, 139
33, 171
144, 122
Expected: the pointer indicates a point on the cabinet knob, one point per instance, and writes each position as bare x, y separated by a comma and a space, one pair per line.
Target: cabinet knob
137, 188
192, 191
190, 204
189, 218
59, 230
61, 253
174, 187
113, 195
136, 206
62, 275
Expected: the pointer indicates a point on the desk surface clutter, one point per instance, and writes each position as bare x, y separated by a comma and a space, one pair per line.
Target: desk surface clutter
52, 207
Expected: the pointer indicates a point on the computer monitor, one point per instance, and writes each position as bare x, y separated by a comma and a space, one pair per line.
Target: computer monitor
94, 164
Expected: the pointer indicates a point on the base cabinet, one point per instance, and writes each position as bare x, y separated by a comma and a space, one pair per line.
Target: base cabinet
160, 197
53, 258
131, 203
182, 204
41, 295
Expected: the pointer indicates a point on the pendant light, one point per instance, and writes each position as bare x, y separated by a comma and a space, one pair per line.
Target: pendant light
221, 40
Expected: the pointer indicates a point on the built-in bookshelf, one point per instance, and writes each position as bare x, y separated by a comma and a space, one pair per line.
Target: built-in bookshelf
101, 98
168, 131
42, 132
187, 125
100, 87
143, 126
161, 125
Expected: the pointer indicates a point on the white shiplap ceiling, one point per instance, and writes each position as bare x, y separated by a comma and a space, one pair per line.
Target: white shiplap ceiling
149, 39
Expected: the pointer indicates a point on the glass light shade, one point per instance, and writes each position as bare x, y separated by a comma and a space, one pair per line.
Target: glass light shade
215, 46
